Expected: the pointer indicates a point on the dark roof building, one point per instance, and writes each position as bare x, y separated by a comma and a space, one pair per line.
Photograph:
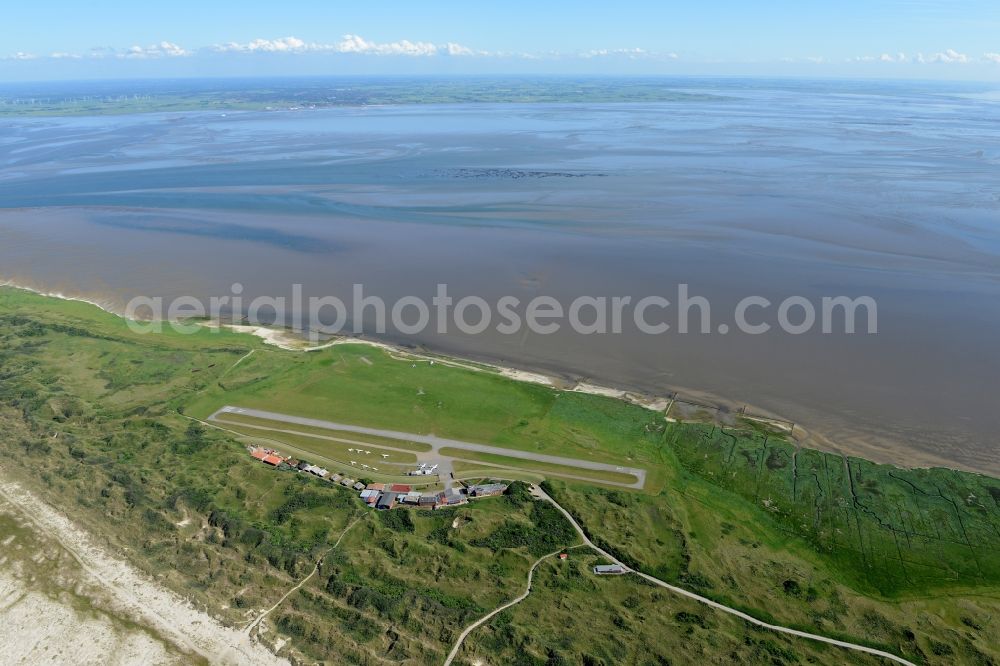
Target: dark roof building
452, 496
488, 490
385, 501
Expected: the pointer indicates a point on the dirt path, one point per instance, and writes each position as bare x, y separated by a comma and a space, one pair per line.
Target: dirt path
234, 365
260, 618
541, 494
134, 595
513, 602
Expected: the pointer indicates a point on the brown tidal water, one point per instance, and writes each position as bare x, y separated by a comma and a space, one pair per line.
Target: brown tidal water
773, 191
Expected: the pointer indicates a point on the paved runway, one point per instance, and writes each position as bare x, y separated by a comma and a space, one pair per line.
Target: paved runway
438, 443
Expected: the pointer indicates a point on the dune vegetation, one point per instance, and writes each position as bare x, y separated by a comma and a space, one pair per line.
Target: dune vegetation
102, 423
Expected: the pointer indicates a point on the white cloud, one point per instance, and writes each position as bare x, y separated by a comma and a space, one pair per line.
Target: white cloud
992, 57
20, 55
949, 56
62, 55
101, 52
357, 44
599, 53
454, 49
631, 54
348, 44
161, 50
283, 45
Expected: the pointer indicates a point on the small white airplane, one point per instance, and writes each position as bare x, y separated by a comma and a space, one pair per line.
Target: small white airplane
434, 468
422, 465
351, 450
353, 463
368, 453
375, 468
384, 456
365, 466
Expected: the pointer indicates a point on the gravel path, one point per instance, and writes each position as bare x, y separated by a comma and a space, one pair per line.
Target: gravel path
541, 494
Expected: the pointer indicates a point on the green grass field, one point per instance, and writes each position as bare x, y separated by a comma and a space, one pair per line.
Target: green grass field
475, 472
368, 441
541, 468
94, 420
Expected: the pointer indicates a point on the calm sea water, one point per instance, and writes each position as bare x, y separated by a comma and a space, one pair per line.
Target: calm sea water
772, 189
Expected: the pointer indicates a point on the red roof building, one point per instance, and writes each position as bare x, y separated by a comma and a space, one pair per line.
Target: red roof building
271, 460
259, 454
399, 488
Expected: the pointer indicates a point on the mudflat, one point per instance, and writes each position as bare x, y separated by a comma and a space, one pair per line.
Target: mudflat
745, 188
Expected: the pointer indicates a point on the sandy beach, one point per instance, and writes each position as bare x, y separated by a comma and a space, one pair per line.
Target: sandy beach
134, 619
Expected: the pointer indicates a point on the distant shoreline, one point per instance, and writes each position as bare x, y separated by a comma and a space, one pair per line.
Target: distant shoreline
282, 94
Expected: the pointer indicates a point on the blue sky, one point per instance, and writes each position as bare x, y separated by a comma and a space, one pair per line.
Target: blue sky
935, 39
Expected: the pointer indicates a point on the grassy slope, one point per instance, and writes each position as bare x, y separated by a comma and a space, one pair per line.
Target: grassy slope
907, 559
628, 623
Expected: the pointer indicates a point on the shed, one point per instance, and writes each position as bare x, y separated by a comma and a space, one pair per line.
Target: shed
385, 501
488, 490
452, 496
359, 486
608, 569
271, 459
